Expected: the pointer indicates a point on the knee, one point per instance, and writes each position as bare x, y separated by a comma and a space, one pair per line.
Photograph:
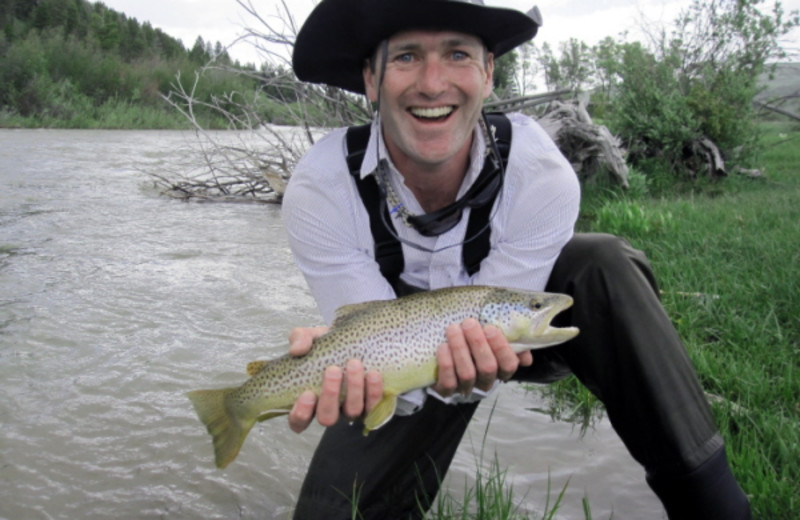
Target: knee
598, 250
592, 254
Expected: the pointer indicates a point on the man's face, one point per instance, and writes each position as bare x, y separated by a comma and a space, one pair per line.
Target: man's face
432, 95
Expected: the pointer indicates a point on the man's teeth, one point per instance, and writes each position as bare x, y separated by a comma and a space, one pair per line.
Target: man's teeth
432, 113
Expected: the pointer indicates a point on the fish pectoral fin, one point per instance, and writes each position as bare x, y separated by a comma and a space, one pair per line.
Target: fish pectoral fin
381, 414
271, 415
254, 367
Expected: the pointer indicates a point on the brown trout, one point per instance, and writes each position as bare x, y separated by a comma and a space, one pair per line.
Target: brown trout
399, 338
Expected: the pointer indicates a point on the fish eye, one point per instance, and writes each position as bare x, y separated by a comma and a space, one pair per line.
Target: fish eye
536, 305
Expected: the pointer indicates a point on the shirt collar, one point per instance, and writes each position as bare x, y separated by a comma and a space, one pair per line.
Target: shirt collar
370, 161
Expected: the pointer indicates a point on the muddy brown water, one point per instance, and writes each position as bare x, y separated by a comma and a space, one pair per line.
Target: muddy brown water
114, 301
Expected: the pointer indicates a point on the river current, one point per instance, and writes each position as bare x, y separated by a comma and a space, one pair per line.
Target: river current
115, 301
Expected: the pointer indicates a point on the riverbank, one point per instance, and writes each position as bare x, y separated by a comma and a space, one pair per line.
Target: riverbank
129, 326
727, 263
728, 267
111, 115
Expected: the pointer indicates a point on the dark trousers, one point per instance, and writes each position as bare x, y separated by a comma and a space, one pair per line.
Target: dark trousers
628, 354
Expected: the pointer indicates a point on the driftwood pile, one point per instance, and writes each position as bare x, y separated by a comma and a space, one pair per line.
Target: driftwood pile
257, 171
702, 155
589, 147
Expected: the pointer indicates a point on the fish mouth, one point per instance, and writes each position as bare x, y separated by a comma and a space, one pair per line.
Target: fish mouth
555, 335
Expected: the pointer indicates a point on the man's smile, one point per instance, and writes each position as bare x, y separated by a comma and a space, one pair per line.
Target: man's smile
432, 113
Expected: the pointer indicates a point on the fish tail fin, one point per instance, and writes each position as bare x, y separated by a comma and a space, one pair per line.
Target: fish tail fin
226, 427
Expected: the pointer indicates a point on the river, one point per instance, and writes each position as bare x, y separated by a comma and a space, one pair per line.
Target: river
115, 301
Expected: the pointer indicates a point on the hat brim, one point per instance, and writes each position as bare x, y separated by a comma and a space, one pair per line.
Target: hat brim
340, 34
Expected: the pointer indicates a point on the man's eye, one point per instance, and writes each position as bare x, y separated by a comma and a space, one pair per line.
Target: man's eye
460, 55
404, 58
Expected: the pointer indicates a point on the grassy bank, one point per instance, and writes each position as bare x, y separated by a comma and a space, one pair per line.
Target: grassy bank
728, 262
112, 115
727, 259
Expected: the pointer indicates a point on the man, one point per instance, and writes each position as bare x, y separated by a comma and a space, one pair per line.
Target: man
433, 163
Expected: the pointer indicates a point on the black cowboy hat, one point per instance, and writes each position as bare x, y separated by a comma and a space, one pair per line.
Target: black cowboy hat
340, 34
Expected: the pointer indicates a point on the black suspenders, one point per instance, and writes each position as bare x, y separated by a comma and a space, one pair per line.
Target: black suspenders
388, 250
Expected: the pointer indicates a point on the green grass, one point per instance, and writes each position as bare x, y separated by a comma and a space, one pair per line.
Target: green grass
490, 497
114, 114
727, 257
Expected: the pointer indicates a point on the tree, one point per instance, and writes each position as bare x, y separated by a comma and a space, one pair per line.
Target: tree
504, 70
572, 69
550, 67
525, 74
108, 33
606, 60
199, 54
575, 64
698, 82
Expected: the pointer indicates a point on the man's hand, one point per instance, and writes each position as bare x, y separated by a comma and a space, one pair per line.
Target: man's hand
362, 391
474, 356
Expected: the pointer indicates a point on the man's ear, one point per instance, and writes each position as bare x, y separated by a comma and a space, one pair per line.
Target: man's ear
370, 81
487, 91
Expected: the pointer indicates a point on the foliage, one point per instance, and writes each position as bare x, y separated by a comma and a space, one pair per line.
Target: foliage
631, 219
527, 70
72, 63
504, 70
571, 69
491, 496
728, 283
698, 81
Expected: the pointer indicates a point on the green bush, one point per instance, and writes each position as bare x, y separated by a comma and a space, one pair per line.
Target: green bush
649, 110
23, 64
700, 81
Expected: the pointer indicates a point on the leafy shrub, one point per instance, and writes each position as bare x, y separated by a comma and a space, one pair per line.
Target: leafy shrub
700, 81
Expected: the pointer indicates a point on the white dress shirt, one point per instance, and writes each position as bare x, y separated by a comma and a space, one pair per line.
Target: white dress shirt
329, 232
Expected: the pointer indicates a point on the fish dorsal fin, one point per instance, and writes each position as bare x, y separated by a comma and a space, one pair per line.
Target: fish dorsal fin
382, 412
254, 367
348, 311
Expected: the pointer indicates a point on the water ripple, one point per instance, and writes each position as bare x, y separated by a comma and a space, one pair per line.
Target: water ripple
115, 302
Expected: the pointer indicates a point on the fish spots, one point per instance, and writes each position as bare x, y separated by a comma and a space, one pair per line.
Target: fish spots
394, 337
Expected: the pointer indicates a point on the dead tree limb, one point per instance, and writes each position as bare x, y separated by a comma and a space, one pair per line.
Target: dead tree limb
777, 110
254, 162
589, 147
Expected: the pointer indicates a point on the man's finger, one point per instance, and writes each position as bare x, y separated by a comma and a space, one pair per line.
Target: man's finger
507, 360
462, 359
302, 412
374, 383
525, 358
446, 382
301, 338
328, 404
482, 354
354, 400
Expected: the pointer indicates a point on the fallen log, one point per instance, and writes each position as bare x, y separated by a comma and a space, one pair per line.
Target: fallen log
590, 148
258, 169
703, 154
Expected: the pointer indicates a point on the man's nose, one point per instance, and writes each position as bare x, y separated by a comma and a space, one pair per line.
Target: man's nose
433, 77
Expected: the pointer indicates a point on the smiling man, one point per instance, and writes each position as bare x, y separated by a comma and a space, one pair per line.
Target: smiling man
434, 193
433, 85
